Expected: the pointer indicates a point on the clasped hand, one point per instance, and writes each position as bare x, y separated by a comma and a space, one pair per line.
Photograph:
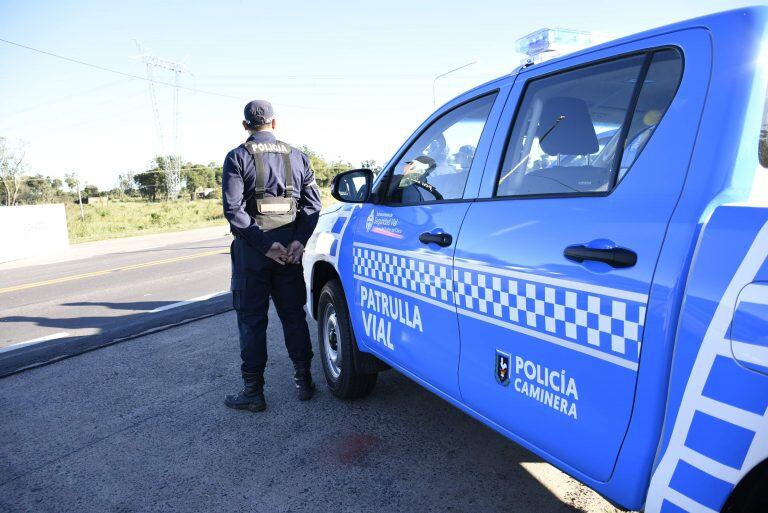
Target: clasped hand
282, 255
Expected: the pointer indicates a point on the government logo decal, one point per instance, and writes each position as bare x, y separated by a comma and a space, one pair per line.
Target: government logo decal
502, 368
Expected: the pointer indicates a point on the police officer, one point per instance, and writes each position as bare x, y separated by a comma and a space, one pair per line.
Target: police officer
272, 204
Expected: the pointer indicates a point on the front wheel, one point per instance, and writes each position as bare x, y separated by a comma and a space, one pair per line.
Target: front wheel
338, 345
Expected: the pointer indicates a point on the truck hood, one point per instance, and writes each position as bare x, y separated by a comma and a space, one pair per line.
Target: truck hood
331, 209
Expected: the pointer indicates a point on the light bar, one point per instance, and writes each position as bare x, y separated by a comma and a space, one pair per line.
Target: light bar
548, 43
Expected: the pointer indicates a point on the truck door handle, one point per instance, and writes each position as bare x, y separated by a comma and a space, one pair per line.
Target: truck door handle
615, 257
441, 239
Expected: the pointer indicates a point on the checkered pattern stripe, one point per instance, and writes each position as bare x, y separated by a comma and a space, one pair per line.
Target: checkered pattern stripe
426, 278
605, 323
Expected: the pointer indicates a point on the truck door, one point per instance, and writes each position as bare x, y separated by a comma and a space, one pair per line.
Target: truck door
553, 269
401, 251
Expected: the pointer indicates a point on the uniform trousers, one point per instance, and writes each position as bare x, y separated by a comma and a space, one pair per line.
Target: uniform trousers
256, 278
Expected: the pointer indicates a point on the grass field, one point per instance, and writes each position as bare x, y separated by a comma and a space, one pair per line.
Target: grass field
127, 218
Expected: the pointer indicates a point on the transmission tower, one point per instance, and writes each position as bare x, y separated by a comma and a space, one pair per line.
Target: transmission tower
172, 168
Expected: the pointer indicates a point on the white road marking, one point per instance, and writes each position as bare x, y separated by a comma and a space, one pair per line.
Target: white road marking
189, 301
46, 338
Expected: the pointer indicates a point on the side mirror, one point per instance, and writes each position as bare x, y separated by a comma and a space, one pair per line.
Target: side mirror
352, 186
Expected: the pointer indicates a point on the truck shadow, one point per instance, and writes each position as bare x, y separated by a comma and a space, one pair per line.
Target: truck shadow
456, 462
131, 305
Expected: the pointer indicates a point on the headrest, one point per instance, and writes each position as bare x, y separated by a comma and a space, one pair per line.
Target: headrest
574, 134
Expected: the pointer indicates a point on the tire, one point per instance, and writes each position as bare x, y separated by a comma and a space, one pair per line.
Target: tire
750, 495
338, 347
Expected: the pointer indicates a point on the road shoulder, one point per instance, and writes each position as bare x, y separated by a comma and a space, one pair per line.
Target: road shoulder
120, 245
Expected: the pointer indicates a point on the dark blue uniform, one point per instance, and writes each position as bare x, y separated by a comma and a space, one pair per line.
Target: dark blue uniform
256, 277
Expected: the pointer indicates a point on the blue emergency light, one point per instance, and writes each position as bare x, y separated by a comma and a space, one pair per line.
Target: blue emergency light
547, 43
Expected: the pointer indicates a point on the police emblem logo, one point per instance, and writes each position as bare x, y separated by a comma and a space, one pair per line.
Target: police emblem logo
369, 221
502, 368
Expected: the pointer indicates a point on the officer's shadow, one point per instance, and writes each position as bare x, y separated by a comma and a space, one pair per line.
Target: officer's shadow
143, 313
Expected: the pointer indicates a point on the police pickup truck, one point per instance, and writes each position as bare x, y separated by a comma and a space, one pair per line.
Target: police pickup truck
577, 255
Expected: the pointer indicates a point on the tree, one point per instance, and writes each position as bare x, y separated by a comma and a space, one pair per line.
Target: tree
11, 172
217, 173
90, 190
40, 189
197, 177
71, 181
166, 164
151, 185
55, 186
324, 171
336, 167
372, 165
125, 185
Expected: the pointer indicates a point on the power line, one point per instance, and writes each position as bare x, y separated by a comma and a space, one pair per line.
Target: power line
121, 73
145, 79
62, 98
112, 115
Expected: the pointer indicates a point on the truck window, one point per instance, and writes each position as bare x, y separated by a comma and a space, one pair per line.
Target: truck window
436, 166
571, 126
659, 88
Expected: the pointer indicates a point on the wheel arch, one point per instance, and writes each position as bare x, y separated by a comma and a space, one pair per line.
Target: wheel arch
322, 272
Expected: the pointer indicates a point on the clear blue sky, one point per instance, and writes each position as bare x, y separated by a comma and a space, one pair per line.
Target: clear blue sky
349, 79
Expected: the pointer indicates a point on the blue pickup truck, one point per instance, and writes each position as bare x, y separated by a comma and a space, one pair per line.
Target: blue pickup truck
576, 254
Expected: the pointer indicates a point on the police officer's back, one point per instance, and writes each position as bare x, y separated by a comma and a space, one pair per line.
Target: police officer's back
272, 204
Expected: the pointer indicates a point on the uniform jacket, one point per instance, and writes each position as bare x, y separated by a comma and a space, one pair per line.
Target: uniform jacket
238, 184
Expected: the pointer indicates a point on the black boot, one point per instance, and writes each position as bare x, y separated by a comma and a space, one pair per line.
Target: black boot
303, 379
251, 397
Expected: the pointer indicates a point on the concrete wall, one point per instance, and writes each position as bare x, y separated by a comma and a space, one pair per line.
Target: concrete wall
32, 230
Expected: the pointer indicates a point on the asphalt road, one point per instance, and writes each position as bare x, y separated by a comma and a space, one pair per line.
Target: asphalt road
141, 426
64, 306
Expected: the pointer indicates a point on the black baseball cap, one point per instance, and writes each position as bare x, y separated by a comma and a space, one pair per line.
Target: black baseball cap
259, 112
